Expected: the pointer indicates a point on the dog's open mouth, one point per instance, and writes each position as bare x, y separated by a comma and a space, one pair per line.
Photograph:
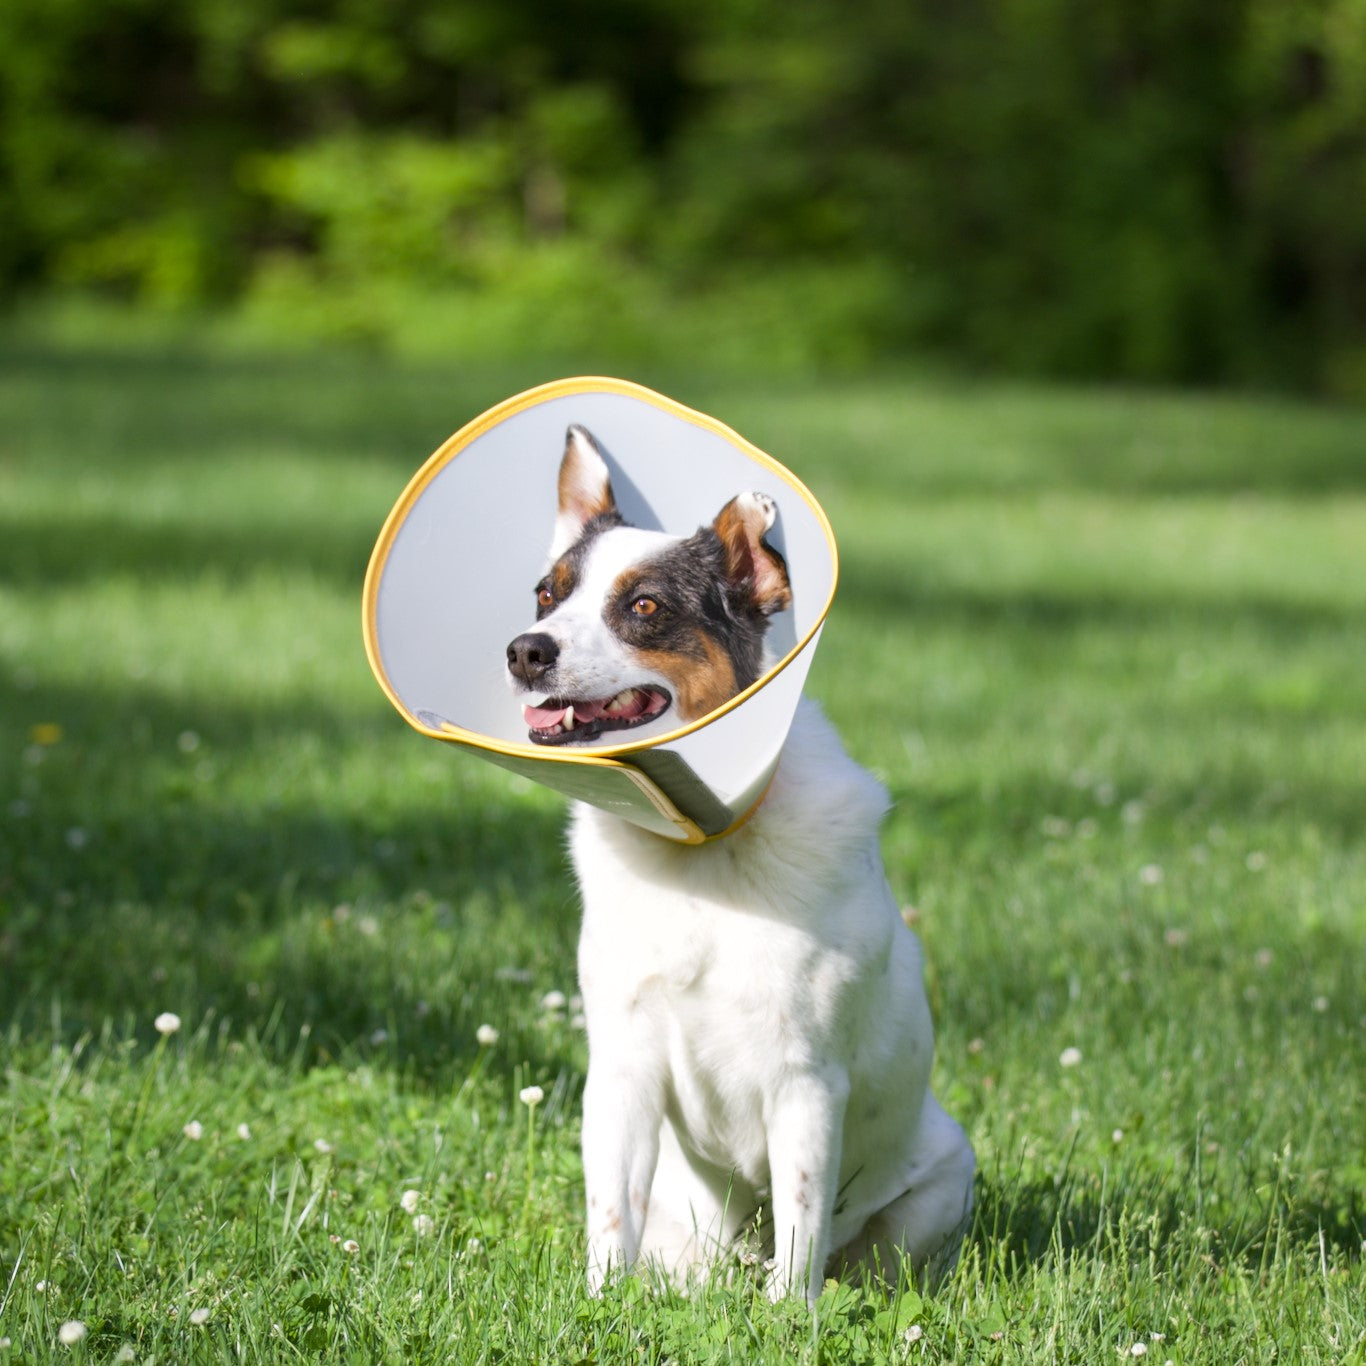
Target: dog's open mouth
560, 722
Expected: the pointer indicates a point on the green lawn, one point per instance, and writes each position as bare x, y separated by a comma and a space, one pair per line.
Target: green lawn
1106, 648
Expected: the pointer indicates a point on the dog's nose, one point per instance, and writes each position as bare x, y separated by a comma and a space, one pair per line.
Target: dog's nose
530, 655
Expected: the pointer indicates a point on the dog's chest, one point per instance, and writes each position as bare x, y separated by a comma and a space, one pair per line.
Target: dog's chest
718, 998
705, 968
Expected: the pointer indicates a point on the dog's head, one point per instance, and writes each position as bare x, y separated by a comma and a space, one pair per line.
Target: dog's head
633, 625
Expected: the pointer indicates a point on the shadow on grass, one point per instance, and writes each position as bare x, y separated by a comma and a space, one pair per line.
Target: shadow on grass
131, 883
289, 925
1029, 1222
189, 399
136, 878
147, 406
43, 552
881, 588
37, 551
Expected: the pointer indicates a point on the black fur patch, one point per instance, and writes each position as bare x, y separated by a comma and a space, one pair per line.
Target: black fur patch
563, 576
693, 598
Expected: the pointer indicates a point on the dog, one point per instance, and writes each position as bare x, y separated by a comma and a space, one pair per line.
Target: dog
758, 1033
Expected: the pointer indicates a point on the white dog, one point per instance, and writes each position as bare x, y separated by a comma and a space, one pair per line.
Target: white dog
759, 1039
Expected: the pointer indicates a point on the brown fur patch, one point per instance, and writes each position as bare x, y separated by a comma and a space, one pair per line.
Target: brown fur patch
749, 558
562, 579
584, 490
699, 685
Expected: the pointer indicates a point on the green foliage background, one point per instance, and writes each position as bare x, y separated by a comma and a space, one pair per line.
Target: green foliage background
1150, 189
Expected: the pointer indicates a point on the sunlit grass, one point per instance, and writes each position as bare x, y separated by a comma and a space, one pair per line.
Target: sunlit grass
1107, 652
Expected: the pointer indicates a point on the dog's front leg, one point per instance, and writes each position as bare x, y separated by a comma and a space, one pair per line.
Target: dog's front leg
622, 1113
805, 1136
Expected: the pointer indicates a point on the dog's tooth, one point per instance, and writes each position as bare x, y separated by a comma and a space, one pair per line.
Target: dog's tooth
568, 722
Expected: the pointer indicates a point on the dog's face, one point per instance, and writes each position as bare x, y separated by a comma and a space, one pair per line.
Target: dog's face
635, 625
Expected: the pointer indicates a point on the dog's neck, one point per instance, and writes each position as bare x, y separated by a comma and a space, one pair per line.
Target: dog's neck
814, 816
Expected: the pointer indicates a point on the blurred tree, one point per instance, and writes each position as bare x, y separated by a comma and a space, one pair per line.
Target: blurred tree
1143, 188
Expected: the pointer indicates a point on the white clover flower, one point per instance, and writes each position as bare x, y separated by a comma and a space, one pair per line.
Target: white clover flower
408, 1200
194, 1131
244, 1132
424, 1225
187, 742
351, 1246
1117, 1136
553, 1000
199, 1317
379, 1037
1070, 1057
486, 1035
71, 1332
531, 1095
322, 1145
167, 1022
914, 1333
1151, 874
1139, 1349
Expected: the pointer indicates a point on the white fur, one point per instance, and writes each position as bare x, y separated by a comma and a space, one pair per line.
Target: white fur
759, 1038
585, 488
593, 661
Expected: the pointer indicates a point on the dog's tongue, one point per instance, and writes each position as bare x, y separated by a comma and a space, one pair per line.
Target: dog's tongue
551, 714
542, 718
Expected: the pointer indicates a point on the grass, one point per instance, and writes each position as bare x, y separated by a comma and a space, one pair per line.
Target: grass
1105, 647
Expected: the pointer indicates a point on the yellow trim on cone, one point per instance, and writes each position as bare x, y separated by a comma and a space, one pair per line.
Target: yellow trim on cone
605, 755
689, 831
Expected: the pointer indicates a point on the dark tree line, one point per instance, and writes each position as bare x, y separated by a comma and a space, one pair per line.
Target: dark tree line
1155, 189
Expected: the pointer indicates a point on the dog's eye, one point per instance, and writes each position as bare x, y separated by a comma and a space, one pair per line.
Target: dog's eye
544, 598
645, 607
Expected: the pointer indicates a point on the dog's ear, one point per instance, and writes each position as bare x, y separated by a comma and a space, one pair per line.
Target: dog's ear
752, 565
585, 489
